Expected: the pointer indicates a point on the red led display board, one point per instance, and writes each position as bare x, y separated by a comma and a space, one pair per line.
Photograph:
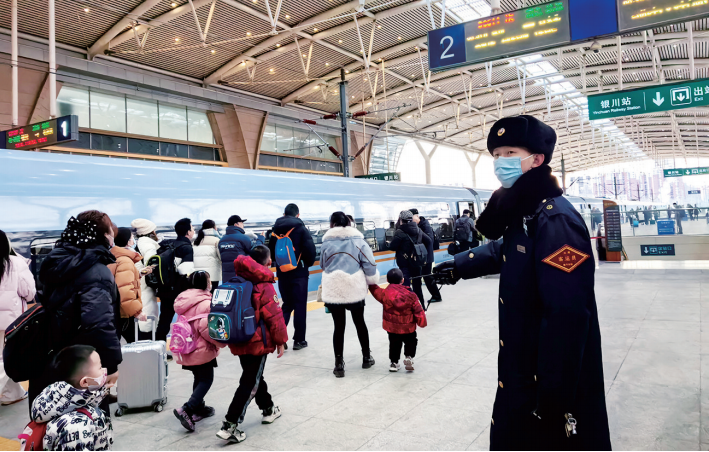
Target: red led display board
42, 134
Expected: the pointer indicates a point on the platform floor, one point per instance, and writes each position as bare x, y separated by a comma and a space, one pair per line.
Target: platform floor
655, 331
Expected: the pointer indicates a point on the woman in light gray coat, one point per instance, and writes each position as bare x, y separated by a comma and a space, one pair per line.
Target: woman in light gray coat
348, 268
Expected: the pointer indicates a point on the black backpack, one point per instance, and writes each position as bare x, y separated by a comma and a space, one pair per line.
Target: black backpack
27, 344
462, 230
419, 253
436, 241
164, 275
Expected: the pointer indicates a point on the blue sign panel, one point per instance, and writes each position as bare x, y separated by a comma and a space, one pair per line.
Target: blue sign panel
694, 192
592, 18
657, 250
446, 46
665, 227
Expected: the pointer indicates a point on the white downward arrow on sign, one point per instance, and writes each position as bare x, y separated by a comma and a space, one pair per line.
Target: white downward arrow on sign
658, 100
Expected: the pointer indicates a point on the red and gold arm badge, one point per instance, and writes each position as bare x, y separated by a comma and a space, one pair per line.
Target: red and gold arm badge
566, 258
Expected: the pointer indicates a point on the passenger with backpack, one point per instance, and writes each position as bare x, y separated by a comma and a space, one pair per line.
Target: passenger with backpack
80, 299
293, 252
268, 335
147, 245
66, 414
411, 246
348, 268
193, 348
426, 228
465, 233
171, 265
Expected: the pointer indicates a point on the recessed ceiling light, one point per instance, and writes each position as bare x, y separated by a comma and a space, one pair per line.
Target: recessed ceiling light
352, 97
399, 38
317, 87
379, 27
340, 41
243, 63
287, 16
278, 45
177, 39
347, 72
248, 33
327, 64
304, 55
271, 70
365, 79
173, 4
315, 29
86, 10
214, 51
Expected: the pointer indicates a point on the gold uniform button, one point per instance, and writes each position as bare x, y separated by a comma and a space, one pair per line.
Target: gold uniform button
535, 378
500, 383
502, 343
471, 255
504, 259
544, 200
549, 207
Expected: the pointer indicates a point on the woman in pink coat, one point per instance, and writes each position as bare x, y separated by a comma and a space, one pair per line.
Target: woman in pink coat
203, 360
16, 290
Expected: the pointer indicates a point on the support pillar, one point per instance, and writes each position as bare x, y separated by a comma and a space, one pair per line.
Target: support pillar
563, 174
344, 104
52, 63
495, 7
427, 159
473, 164
14, 64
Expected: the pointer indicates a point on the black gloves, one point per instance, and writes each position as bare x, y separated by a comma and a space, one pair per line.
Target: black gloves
444, 273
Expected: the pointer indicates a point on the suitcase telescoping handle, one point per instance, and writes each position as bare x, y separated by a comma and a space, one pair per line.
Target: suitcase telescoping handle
155, 324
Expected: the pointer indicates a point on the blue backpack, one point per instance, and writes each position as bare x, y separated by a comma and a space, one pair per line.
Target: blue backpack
285, 252
231, 317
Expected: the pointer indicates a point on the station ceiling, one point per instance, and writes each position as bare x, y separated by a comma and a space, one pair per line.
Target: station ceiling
296, 56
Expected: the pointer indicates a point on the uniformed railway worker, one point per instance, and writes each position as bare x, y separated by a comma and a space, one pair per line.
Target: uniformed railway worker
550, 393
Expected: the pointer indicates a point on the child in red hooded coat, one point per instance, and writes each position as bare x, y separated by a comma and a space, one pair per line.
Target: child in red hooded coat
252, 354
402, 312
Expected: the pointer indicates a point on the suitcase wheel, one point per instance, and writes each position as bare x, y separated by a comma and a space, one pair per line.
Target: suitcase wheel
119, 412
158, 407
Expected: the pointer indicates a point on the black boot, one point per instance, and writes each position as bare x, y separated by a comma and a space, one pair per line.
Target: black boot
339, 370
367, 360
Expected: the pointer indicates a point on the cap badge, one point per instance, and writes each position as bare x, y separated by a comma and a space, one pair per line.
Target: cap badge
501, 132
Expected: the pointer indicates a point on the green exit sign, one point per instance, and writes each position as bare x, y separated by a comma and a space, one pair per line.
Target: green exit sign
677, 172
649, 100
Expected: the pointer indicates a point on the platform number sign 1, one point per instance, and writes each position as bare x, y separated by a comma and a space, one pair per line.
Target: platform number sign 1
42, 134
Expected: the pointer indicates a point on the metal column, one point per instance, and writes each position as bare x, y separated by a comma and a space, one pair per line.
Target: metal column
563, 174
13, 63
343, 122
52, 64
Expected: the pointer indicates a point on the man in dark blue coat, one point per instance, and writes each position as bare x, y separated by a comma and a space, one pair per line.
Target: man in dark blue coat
293, 284
426, 228
550, 393
234, 244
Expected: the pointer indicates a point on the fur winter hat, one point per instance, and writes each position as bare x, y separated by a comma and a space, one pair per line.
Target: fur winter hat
143, 226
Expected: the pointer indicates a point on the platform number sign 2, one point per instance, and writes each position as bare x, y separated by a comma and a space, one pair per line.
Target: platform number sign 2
446, 46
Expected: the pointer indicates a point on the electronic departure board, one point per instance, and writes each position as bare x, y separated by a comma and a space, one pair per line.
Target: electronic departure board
643, 14
504, 35
45, 133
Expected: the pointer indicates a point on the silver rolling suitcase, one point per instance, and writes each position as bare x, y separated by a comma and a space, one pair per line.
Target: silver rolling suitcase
142, 376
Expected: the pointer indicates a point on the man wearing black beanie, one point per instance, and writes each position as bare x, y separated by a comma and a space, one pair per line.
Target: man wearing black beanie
550, 393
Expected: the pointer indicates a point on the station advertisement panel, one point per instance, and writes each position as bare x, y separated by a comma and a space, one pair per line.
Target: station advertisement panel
504, 35
644, 14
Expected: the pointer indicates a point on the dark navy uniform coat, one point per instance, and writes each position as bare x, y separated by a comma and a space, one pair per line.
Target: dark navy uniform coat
549, 359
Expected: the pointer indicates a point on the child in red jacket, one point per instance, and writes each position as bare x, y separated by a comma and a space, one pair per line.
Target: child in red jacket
252, 354
402, 312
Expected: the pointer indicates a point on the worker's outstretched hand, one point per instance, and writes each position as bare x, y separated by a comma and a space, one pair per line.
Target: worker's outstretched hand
444, 273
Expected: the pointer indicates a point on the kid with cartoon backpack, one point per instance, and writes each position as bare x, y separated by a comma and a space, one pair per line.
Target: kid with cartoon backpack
268, 321
193, 348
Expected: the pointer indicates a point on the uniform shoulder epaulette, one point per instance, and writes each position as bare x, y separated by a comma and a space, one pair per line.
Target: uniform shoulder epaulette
550, 207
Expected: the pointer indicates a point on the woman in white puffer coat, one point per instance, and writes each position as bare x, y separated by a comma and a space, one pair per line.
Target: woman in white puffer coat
17, 288
206, 252
147, 245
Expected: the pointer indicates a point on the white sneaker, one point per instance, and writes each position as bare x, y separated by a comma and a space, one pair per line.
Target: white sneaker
270, 415
231, 433
394, 367
10, 402
409, 363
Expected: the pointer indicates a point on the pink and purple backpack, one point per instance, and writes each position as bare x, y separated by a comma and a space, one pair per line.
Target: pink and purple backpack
183, 337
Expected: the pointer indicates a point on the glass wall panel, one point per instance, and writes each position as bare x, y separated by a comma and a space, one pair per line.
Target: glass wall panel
142, 117
74, 101
301, 141
174, 150
198, 128
268, 142
267, 160
148, 147
84, 142
108, 143
173, 122
284, 138
108, 112
202, 153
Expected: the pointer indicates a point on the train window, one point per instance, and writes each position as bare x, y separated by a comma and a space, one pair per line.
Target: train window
367, 228
444, 228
